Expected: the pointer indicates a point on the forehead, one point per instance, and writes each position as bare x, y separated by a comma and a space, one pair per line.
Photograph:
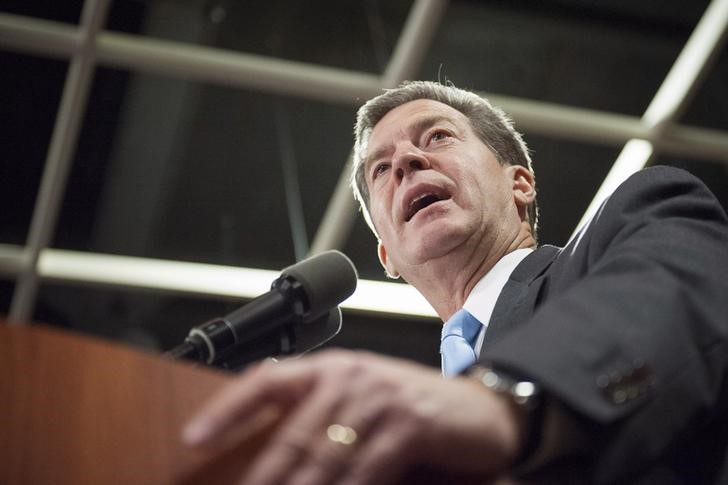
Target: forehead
411, 114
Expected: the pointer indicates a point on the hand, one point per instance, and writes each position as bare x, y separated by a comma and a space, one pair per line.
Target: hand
403, 415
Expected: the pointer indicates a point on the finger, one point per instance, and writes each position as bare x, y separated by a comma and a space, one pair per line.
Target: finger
384, 457
325, 462
291, 443
329, 452
260, 387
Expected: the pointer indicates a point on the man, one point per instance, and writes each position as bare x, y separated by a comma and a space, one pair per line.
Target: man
602, 362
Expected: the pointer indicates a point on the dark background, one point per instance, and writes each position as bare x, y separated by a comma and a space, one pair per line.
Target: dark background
174, 169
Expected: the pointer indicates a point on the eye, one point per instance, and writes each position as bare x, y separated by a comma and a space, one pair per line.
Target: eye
379, 169
438, 135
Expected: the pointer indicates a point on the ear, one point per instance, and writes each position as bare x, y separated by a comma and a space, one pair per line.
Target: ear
386, 263
524, 188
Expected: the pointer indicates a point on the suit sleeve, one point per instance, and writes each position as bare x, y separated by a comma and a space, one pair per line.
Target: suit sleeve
635, 342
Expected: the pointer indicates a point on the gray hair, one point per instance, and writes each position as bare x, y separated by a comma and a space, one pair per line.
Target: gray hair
490, 124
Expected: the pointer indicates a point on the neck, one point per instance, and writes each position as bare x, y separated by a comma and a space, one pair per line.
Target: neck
447, 281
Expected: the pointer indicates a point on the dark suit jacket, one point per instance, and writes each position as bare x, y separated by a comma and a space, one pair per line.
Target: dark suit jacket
627, 326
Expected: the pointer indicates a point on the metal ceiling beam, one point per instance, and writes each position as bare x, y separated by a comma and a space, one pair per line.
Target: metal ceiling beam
670, 101
690, 68
192, 62
417, 33
612, 129
223, 67
198, 279
58, 160
414, 41
219, 66
236, 69
38, 36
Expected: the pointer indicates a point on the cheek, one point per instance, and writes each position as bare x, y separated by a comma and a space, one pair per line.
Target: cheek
476, 192
489, 196
379, 214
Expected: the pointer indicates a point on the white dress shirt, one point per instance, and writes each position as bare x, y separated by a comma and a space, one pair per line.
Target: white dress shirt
482, 298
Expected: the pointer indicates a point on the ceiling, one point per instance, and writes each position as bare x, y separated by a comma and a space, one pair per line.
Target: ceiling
195, 166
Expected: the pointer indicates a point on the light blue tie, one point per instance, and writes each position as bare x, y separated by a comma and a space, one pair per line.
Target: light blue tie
458, 341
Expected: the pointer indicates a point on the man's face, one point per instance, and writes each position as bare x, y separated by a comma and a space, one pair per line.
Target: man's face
435, 187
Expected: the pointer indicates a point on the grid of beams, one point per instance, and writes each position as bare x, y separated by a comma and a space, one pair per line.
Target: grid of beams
87, 46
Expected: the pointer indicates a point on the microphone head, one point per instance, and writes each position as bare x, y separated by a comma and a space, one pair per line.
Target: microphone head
327, 278
314, 333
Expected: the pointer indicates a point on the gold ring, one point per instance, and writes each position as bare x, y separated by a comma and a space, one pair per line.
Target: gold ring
341, 434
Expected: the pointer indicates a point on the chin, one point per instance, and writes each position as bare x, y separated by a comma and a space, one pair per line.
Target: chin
438, 242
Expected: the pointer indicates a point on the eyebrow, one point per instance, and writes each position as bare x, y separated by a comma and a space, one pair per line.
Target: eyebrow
418, 126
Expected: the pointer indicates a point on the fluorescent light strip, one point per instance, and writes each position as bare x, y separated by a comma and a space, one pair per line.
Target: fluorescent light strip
634, 156
212, 280
671, 99
393, 298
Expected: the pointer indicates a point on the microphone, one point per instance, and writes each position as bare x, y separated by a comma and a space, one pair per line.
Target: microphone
302, 294
291, 339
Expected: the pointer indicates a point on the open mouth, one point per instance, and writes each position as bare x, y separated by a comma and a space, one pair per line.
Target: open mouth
420, 202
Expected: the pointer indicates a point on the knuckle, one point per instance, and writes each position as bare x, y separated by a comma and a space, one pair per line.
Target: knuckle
335, 353
411, 416
424, 412
335, 359
328, 456
341, 364
288, 447
360, 474
294, 438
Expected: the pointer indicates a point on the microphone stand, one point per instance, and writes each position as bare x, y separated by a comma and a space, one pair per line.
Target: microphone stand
284, 340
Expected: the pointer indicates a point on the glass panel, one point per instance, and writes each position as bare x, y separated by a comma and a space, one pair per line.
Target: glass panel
65, 11
349, 35
600, 56
6, 295
27, 114
177, 170
568, 174
709, 108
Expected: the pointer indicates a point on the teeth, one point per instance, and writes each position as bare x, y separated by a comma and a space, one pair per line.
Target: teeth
419, 198
420, 202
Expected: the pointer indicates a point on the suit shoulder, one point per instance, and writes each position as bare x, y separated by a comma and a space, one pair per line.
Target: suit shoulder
659, 184
659, 175
650, 196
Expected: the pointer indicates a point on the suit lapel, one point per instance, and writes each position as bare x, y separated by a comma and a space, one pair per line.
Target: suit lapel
517, 300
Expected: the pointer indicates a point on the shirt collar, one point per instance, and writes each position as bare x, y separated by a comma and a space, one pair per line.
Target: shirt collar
481, 300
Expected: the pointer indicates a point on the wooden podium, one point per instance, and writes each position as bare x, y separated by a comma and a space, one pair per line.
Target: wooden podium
77, 410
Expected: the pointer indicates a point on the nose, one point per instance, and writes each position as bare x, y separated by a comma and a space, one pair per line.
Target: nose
408, 159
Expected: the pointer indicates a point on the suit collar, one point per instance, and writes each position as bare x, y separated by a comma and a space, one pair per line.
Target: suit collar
517, 300
534, 264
